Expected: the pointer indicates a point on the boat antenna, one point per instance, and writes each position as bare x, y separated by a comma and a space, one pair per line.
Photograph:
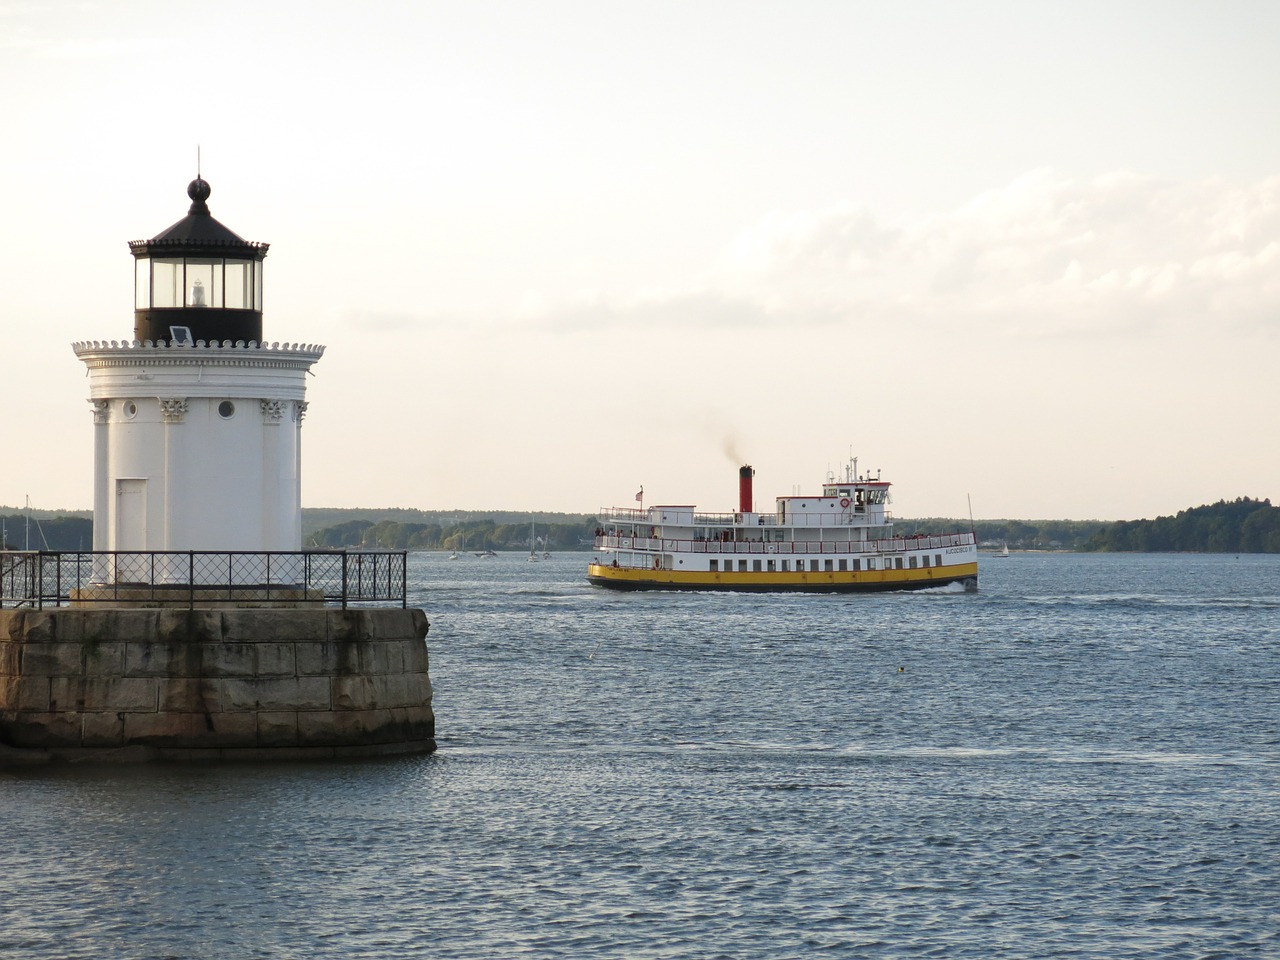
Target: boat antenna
972, 529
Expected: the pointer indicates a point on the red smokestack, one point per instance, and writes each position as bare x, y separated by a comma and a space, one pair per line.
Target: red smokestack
744, 489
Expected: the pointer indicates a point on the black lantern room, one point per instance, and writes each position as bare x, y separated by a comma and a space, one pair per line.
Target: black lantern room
197, 280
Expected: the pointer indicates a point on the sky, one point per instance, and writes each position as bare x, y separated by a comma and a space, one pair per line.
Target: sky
1022, 258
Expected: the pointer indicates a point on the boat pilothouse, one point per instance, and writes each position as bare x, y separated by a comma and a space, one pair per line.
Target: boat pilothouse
839, 541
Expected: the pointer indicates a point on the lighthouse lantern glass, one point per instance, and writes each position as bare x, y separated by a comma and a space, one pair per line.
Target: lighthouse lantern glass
166, 282
142, 283
204, 283
239, 285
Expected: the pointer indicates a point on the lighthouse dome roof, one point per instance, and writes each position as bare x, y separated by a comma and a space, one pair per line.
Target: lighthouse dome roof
198, 232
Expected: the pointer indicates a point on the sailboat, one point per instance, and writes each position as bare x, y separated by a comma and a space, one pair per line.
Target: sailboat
533, 544
1004, 551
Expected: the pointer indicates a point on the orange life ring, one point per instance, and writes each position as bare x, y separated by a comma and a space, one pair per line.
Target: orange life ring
844, 501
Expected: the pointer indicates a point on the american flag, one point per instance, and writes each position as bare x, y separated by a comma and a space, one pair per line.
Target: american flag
640, 495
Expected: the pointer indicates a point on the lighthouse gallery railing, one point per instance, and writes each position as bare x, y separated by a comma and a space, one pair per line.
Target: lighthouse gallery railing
173, 578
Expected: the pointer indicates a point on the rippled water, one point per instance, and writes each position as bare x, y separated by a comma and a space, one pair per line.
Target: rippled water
1081, 760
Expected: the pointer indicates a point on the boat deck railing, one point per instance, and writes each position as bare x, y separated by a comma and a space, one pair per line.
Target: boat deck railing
189, 578
785, 547
853, 517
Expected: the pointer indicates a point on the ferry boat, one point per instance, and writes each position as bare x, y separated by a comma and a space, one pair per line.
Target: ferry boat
841, 541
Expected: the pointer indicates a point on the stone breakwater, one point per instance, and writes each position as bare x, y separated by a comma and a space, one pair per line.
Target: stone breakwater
123, 684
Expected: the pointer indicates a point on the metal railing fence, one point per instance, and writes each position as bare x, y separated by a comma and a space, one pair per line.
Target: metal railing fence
43, 578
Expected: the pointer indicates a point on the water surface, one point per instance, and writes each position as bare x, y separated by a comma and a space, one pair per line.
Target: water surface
1080, 760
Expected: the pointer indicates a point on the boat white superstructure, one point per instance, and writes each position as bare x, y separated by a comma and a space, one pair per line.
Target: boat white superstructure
839, 541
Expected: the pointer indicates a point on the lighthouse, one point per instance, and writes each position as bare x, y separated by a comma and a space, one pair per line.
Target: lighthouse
197, 419
198, 628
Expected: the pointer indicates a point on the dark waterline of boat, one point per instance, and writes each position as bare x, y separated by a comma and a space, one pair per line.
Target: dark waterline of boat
1080, 760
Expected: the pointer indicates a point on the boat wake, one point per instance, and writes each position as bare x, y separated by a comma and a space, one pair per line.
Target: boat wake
946, 588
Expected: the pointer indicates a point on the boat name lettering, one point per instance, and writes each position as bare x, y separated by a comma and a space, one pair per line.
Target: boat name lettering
958, 549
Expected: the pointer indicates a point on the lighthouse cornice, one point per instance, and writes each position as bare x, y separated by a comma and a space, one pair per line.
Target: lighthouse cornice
132, 353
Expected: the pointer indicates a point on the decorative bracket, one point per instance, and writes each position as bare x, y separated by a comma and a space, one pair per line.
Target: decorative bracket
272, 410
173, 409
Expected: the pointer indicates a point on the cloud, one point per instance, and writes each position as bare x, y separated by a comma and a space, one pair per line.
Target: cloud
1046, 255
373, 321
647, 310
16, 35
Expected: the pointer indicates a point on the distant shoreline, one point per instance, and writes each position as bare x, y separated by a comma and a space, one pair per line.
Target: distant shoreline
1242, 525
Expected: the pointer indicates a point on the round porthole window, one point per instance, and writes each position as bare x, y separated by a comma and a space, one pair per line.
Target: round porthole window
130, 409
226, 409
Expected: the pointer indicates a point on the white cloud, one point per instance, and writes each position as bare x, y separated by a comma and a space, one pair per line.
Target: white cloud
73, 31
1044, 255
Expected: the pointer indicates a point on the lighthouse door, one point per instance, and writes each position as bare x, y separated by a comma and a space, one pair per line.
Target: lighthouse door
131, 515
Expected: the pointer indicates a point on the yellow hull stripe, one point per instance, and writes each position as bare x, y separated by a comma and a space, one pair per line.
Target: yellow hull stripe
729, 579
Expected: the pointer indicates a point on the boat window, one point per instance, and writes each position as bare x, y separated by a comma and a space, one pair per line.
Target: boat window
827, 566
755, 566
911, 562
786, 566
926, 559
773, 566
897, 562
857, 565
715, 565
742, 566
844, 565
937, 560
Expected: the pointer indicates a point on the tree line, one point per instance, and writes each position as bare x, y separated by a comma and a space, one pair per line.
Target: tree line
1242, 525
46, 531
1015, 534
480, 534
1228, 526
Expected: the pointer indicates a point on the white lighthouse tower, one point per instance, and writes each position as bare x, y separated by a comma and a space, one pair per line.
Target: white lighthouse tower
197, 421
